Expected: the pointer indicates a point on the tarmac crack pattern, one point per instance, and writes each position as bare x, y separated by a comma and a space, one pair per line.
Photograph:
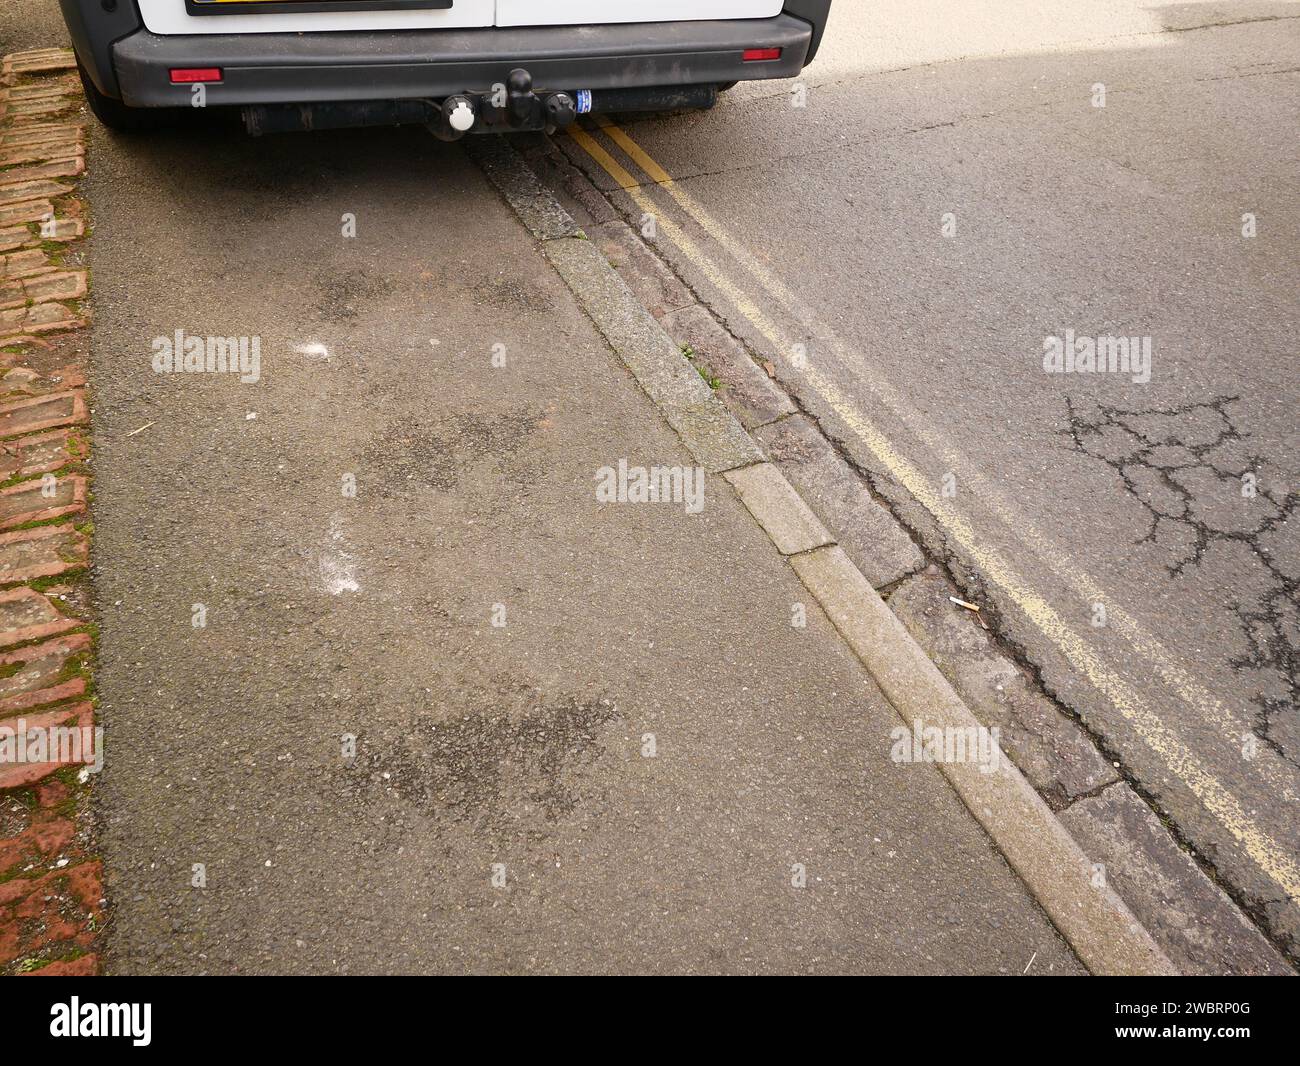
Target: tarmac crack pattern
1183, 465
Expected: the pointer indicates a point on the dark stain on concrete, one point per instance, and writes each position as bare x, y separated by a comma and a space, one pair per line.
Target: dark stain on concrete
494, 770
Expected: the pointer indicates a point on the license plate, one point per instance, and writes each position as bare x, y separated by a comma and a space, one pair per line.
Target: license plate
243, 7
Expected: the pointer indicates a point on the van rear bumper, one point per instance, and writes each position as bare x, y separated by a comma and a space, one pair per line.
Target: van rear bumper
394, 65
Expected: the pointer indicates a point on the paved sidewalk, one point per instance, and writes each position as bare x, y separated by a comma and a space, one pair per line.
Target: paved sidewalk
238, 835
50, 882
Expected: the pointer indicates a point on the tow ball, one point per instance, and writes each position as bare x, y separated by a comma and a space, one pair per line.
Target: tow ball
511, 106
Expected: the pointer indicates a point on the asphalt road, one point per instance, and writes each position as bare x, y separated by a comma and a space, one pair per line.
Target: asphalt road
1106, 522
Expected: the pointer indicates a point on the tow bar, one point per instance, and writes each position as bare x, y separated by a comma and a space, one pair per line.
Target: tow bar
512, 106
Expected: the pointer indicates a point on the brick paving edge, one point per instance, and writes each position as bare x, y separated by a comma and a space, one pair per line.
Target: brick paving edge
52, 910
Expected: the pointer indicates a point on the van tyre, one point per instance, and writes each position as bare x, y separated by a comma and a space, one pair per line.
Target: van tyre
116, 115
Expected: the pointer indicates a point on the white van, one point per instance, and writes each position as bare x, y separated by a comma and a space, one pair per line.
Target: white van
457, 65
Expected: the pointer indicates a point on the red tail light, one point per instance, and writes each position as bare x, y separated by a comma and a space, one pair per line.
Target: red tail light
188, 75
758, 55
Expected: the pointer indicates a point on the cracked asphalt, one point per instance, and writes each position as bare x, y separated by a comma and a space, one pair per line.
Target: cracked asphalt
952, 196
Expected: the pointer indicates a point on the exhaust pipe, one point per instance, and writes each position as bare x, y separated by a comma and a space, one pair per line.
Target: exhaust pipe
650, 98
339, 115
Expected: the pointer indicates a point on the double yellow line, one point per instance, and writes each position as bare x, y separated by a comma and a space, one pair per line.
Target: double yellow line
1267, 854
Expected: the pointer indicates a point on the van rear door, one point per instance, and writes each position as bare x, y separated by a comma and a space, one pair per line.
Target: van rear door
570, 12
282, 16
168, 17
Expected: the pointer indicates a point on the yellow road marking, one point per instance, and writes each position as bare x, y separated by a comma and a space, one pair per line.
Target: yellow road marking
1267, 765
636, 153
1267, 854
593, 148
